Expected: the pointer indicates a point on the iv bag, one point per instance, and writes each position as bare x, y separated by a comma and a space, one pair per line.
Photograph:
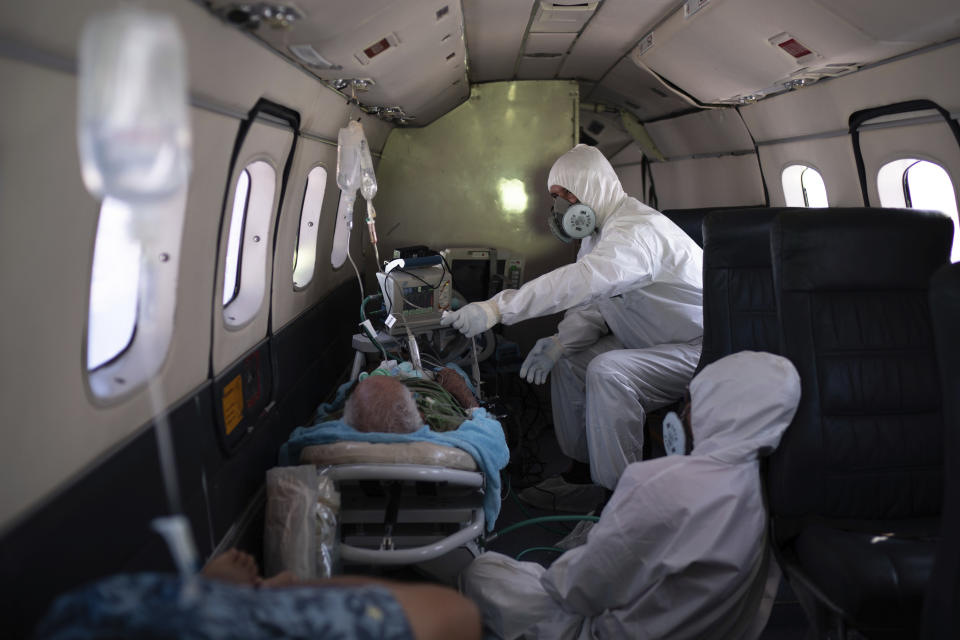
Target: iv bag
368, 179
133, 124
348, 158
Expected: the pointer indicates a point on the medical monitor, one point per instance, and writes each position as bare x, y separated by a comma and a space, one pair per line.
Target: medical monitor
480, 272
415, 298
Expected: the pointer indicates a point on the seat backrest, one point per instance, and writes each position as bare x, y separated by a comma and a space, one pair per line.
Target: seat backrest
851, 288
739, 308
941, 615
690, 220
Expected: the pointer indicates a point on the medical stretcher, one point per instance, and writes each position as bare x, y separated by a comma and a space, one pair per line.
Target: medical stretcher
402, 503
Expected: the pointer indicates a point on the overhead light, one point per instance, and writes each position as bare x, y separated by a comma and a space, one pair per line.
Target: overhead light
308, 55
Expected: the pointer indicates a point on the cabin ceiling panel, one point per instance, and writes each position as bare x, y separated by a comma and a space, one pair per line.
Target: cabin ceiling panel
644, 89
225, 66
724, 51
538, 68
406, 47
826, 106
711, 131
494, 32
548, 43
919, 21
615, 29
606, 131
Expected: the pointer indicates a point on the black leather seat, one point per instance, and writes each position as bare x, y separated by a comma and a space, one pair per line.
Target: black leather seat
739, 308
855, 486
690, 220
942, 608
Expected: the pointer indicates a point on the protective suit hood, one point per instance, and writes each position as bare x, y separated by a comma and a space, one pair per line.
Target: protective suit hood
742, 404
586, 173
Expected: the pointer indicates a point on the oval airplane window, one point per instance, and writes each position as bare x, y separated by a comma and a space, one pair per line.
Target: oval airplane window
803, 187
920, 184
305, 255
245, 267
231, 273
114, 282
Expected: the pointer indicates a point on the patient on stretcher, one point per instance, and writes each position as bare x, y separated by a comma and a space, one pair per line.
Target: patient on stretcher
443, 420
382, 403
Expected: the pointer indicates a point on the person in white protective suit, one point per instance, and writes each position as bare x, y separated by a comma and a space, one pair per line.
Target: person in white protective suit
630, 339
681, 550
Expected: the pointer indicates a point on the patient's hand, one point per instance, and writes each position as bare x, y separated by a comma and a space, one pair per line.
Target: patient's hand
233, 566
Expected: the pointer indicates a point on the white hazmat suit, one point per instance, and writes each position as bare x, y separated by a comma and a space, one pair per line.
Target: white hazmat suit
639, 278
680, 550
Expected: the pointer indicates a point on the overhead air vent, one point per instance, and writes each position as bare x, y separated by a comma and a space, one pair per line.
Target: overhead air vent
366, 55
562, 17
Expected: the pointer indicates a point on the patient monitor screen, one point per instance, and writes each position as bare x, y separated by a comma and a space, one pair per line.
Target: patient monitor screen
416, 297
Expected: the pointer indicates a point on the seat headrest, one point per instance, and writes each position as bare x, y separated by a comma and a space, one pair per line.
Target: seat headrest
859, 248
738, 237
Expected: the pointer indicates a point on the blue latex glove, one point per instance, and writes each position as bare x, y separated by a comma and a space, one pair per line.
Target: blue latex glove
541, 359
473, 319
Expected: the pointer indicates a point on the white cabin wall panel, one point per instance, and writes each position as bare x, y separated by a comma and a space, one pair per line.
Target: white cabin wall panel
711, 131
615, 29
831, 157
271, 144
708, 182
933, 142
827, 105
631, 177
632, 153
494, 34
47, 235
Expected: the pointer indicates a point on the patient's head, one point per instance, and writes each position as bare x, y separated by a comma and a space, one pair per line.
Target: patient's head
382, 403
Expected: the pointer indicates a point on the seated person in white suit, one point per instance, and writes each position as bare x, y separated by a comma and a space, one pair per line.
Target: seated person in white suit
680, 551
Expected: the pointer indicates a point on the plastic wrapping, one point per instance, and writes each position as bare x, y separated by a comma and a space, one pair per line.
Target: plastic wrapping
348, 162
300, 528
133, 122
327, 527
368, 179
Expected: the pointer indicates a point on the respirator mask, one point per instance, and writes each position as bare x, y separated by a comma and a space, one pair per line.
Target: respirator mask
571, 221
675, 441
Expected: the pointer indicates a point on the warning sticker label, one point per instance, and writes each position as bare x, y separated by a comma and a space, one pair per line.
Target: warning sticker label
232, 404
794, 48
